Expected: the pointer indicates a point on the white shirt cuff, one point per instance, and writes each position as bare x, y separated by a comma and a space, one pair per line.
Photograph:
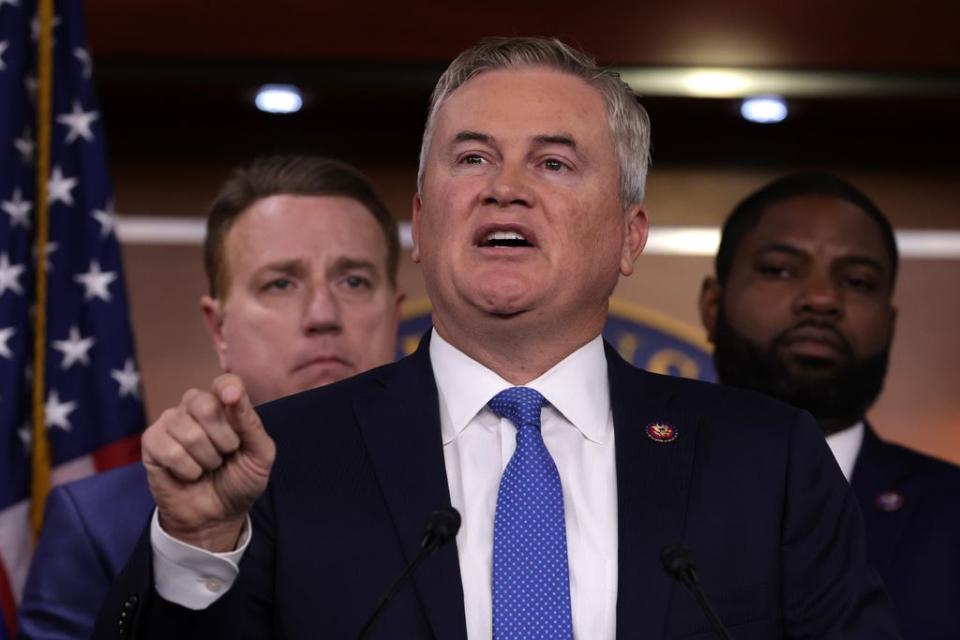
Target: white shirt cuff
190, 576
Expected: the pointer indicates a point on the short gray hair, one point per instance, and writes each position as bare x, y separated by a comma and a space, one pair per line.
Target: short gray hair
628, 120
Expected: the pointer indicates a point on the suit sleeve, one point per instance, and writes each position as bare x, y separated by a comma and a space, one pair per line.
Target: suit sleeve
133, 609
829, 589
67, 579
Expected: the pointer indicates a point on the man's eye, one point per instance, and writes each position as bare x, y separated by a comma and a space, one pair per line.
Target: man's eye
774, 271
866, 285
552, 164
356, 282
279, 284
472, 158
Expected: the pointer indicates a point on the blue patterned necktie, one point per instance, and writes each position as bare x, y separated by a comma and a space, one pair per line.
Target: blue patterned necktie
531, 583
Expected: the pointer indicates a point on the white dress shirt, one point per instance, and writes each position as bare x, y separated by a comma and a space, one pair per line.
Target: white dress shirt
845, 446
577, 428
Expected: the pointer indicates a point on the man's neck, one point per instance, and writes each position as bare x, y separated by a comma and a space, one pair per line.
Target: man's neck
833, 425
517, 357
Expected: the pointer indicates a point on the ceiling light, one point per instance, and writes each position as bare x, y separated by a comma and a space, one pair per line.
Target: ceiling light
715, 83
764, 109
279, 98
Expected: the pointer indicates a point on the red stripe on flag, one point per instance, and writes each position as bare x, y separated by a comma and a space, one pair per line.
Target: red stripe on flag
117, 453
8, 606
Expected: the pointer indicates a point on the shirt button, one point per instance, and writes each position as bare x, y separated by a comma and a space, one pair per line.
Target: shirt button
213, 585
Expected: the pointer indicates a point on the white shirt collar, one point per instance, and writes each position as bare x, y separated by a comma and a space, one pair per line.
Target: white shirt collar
577, 387
845, 446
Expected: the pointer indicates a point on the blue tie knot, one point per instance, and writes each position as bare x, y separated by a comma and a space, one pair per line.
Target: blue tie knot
519, 405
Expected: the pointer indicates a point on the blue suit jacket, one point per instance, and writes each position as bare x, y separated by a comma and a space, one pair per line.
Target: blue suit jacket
916, 545
748, 484
89, 530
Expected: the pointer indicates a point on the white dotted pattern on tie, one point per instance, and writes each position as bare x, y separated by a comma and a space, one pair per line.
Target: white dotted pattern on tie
531, 585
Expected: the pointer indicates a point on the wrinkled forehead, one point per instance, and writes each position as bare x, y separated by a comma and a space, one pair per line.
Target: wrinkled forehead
821, 224
308, 227
526, 97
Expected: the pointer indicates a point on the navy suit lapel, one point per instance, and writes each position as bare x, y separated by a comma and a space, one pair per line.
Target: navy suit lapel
879, 476
653, 479
400, 423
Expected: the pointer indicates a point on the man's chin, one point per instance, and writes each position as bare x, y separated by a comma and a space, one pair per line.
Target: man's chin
319, 376
813, 370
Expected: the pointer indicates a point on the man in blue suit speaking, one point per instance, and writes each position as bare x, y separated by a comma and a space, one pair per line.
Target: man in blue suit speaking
801, 308
571, 468
301, 257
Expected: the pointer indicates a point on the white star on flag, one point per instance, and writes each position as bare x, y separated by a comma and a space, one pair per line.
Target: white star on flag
5, 335
10, 275
74, 349
107, 218
18, 210
26, 146
3, 47
128, 378
83, 56
35, 27
79, 122
56, 413
95, 282
60, 187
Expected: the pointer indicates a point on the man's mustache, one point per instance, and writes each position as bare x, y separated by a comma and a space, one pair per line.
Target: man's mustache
812, 329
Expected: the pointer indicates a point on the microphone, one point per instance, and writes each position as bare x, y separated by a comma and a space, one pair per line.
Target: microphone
678, 563
441, 529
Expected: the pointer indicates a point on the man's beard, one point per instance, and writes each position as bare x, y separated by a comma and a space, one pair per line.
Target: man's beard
836, 394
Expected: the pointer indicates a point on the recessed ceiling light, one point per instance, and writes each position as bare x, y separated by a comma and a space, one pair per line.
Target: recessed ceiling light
764, 109
279, 98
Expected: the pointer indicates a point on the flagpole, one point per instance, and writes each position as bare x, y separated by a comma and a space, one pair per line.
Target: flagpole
41, 459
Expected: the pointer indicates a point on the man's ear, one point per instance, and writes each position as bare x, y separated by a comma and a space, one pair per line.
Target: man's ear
212, 310
635, 238
710, 294
415, 227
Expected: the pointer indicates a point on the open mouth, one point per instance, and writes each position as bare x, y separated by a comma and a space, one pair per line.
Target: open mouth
501, 237
505, 239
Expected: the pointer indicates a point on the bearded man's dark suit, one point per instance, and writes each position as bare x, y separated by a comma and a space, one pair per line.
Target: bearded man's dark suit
748, 484
911, 511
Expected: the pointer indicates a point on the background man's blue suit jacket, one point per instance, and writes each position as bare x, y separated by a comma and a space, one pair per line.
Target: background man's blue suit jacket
916, 547
90, 528
749, 485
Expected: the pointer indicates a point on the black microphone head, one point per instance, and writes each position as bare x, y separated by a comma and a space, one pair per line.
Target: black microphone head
677, 562
441, 528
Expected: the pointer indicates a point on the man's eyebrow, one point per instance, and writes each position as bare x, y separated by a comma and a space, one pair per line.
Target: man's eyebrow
779, 247
293, 265
866, 261
560, 138
346, 264
472, 136
783, 247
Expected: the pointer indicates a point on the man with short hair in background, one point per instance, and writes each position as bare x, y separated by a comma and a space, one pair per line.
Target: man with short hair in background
301, 256
801, 309
570, 467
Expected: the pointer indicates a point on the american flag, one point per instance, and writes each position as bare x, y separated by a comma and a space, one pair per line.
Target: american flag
93, 411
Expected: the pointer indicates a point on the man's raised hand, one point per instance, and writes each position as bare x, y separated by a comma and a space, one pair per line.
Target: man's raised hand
207, 461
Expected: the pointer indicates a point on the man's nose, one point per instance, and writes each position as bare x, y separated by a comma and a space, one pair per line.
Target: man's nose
509, 186
321, 313
819, 295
